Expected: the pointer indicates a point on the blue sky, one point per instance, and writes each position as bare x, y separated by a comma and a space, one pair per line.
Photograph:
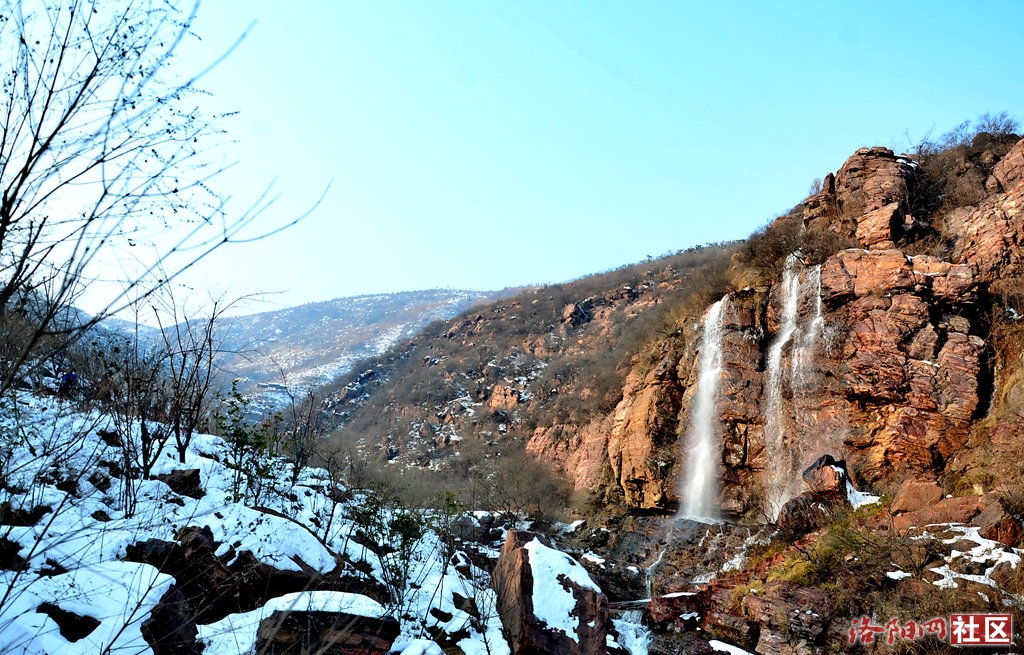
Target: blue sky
483, 144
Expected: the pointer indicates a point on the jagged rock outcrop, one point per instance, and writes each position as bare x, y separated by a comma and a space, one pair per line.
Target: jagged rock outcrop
571, 617
503, 397
1009, 171
871, 179
579, 453
989, 237
645, 433
879, 228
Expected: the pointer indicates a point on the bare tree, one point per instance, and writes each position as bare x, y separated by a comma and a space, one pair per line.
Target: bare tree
138, 396
101, 149
194, 349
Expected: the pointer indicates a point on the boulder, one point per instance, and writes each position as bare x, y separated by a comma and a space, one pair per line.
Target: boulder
618, 580
826, 476
997, 524
213, 589
73, 627
171, 626
325, 633
681, 608
546, 600
575, 315
810, 511
915, 494
184, 482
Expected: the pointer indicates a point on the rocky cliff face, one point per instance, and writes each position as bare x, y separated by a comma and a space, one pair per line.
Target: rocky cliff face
890, 372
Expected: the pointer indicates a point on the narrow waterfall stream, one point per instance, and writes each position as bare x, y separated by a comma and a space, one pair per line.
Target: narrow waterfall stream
700, 485
779, 456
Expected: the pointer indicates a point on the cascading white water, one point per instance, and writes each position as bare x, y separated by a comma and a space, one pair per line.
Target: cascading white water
633, 634
649, 571
700, 490
803, 357
778, 455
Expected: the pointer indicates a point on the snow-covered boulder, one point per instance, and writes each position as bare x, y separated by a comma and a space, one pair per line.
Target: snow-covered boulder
547, 601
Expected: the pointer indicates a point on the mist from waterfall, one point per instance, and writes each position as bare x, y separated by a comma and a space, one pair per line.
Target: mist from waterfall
704, 440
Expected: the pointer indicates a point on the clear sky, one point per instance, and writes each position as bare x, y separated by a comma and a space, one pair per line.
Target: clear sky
484, 144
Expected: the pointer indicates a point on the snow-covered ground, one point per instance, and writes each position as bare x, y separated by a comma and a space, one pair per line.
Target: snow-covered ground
73, 557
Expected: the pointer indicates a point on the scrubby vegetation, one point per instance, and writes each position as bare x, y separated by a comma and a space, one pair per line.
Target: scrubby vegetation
559, 354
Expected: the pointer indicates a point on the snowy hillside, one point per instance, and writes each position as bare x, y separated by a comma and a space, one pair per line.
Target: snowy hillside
96, 561
314, 343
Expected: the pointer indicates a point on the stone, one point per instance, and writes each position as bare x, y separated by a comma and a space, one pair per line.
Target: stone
879, 228
578, 452
810, 511
826, 476
645, 433
73, 627
989, 235
503, 397
575, 315
997, 524
326, 633
680, 608
619, 581
915, 494
467, 527
948, 510
214, 589
869, 180
171, 626
858, 273
184, 482
788, 608
721, 618
516, 586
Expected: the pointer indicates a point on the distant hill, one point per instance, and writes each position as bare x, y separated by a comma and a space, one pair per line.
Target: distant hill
314, 343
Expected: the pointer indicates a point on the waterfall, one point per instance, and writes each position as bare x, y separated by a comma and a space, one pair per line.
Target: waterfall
649, 571
803, 358
780, 458
633, 634
704, 438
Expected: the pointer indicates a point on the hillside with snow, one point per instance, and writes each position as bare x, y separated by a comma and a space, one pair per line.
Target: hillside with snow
203, 555
312, 344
